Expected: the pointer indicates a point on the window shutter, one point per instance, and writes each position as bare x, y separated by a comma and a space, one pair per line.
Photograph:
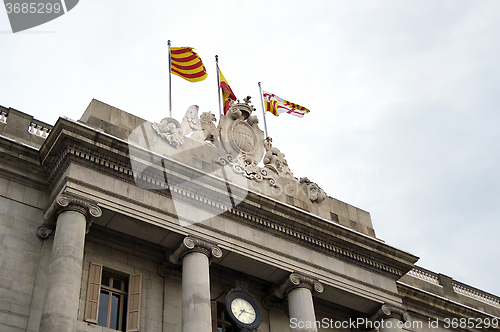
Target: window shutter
93, 292
213, 305
134, 303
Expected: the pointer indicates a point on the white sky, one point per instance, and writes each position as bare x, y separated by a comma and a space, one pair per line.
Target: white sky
404, 99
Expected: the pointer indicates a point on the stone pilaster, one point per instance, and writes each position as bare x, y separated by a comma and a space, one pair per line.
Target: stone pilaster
60, 309
388, 319
195, 255
299, 289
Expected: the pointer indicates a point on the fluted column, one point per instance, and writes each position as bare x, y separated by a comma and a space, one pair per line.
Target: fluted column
299, 290
195, 256
388, 319
60, 310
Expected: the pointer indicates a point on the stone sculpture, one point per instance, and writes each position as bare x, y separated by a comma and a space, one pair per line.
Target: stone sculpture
275, 160
314, 192
210, 132
169, 129
191, 123
239, 136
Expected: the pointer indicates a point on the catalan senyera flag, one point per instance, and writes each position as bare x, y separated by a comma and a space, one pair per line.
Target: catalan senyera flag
227, 93
277, 105
187, 64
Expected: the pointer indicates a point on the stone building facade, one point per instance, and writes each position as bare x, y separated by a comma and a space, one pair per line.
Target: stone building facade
115, 223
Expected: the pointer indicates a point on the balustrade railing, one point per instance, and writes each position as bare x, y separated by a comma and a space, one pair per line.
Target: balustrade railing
3, 117
476, 294
424, 275
39, 130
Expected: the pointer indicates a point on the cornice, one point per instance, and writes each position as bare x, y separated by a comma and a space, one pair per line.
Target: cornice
425, 305
21, 163
73, 142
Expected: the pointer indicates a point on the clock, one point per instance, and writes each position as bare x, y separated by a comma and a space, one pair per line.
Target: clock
243, 310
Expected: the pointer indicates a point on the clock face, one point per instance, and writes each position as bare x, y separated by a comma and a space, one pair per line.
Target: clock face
243, 311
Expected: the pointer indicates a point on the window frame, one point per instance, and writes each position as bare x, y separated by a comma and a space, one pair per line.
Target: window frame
220, 307
123, 294
131, 313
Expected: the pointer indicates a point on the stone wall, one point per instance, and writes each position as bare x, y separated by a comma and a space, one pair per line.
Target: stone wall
123, 254
20, 216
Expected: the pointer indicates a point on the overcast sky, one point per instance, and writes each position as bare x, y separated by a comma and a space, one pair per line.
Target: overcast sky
404, 99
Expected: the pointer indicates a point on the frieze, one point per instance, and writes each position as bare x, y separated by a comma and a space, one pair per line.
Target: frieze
266, 223
251, 217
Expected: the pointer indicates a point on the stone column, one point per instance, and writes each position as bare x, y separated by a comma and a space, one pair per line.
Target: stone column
195, 256
60, 310
388, 319
299, 290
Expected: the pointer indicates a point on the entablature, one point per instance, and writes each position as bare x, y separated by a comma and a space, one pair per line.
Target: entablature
73, 142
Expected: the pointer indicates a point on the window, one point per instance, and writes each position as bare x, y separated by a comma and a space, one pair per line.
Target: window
219, 320
112, 305
113, 299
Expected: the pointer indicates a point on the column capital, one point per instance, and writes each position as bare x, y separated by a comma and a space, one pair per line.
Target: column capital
167, 270
67, 202
298, 280
272, 303
389, 311
192, 244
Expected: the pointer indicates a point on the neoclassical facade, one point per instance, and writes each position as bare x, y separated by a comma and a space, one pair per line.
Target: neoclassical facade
114, 223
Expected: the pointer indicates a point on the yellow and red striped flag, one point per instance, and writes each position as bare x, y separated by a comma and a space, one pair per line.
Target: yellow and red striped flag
187, 64
277, 105
227, 92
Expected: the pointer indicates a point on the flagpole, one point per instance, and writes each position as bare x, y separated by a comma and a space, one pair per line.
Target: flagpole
263, 111
169, 81
218, 85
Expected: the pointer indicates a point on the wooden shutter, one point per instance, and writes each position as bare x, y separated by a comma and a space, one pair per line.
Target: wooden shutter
213, 305
93, 293
134, 303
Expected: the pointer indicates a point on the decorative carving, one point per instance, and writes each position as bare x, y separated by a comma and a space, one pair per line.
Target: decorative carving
202, 128
192, 244
389, 311
64, 202
275, 160
191, 123
249, 170
297, 280
43, 232
272, 303
165, 270
241, 284
314, 192
240, 134
169, 129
